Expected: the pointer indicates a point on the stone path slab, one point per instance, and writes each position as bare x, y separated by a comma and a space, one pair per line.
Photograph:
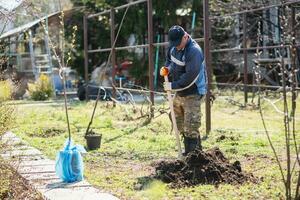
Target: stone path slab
39, 171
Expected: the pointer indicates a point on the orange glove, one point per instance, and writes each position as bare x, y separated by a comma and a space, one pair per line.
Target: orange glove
164, 71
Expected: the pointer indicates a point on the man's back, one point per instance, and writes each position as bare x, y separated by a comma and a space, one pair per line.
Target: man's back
187, 65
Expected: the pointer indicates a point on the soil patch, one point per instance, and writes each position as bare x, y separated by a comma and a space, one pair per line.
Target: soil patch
46, 132
224, 137
200, 167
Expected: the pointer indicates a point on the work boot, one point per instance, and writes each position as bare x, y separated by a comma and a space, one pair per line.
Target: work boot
186, 145
199, 142
190, 144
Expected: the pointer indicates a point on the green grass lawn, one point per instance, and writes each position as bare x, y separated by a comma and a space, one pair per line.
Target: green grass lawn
130, 146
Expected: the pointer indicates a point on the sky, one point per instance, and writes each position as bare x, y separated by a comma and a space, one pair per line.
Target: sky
10, 4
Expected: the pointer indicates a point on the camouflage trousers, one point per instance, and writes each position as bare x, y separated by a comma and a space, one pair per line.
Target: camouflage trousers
188, 115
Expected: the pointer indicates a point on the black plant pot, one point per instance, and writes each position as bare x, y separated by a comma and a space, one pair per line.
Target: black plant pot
93, 141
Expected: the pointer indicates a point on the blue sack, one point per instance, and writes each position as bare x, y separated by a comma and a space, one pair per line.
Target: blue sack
69, 164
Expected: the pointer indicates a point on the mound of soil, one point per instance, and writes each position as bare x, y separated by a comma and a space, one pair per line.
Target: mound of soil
199, 167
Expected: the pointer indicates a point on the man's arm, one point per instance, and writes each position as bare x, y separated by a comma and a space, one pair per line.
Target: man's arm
168, 58
169, 62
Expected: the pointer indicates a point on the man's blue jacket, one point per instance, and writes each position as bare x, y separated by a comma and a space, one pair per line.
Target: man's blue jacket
185, 65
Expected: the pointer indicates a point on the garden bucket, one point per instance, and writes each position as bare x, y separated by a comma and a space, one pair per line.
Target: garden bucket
93, 141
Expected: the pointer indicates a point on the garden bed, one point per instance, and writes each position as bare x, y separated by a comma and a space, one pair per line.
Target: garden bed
13, 186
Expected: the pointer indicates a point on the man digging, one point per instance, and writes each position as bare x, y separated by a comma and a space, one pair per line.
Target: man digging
186, 69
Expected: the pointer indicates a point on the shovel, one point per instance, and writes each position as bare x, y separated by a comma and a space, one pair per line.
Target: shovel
170, 99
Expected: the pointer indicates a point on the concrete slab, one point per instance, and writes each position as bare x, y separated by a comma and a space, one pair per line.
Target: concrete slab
32, 163
39, 171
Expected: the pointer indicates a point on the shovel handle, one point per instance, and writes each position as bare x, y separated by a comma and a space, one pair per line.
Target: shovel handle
175, 128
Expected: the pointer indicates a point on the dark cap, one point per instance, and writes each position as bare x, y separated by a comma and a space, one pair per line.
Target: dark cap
175, 35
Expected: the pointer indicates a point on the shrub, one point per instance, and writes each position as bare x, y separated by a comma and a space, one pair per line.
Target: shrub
42, 89
5, 90
6, 123
6, 117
